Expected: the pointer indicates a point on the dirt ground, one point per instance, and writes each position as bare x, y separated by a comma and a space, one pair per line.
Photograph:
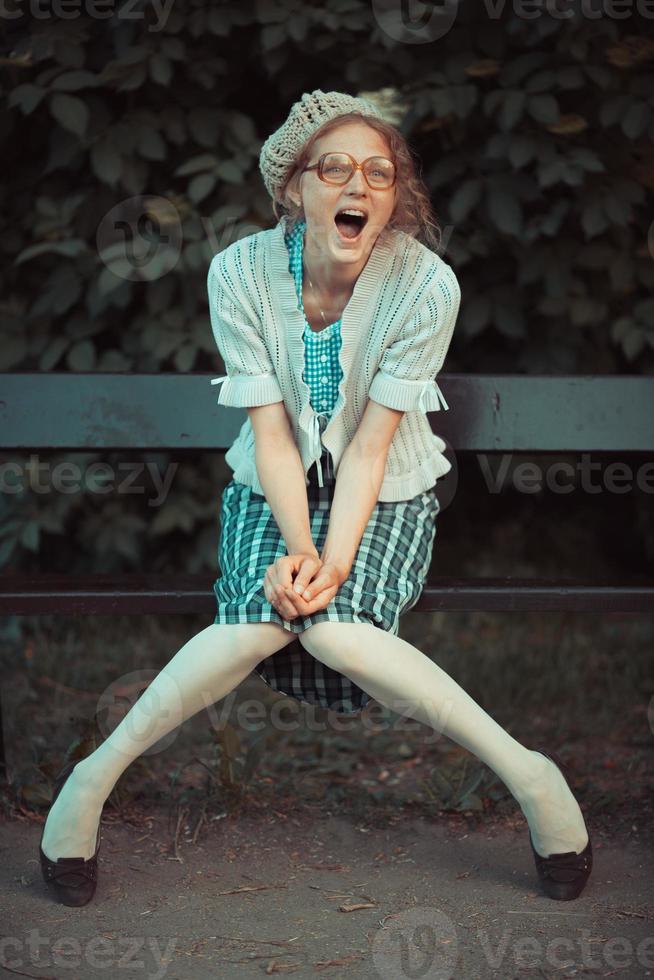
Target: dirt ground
306, 891
361, 851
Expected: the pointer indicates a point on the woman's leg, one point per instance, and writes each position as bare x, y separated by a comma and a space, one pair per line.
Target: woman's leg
210, 665
403, 679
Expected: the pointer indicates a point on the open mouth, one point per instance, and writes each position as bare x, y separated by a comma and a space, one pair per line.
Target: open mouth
350, 225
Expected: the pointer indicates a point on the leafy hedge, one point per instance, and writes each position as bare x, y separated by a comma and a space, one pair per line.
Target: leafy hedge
535, 136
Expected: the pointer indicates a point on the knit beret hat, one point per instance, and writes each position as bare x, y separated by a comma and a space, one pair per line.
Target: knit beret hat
308, 114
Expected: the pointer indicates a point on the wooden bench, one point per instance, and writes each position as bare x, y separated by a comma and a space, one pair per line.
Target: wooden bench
173, 412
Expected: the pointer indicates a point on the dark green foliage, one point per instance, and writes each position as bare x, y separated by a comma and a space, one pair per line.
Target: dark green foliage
535, 138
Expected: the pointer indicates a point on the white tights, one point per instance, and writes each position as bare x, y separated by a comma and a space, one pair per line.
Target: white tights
403, 679
210, 665
392, 671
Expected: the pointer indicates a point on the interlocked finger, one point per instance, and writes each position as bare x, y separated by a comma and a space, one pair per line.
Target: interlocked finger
283, 605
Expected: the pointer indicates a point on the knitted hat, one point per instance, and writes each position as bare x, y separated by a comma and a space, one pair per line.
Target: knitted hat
307, 115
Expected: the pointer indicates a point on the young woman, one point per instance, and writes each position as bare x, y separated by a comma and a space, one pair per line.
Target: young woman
332, 326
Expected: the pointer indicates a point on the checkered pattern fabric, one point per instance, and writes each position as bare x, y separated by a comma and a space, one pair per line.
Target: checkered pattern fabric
322, 369
389, 570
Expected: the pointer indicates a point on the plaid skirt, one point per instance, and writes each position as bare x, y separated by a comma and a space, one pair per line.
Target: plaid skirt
386, 579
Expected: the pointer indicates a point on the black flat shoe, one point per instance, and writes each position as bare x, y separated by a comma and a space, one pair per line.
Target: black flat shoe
563, 876
73, 879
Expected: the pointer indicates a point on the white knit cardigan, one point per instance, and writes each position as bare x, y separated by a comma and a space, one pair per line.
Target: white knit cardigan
396, 329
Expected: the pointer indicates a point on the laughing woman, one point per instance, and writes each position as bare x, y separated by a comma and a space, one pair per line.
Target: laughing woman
332, 326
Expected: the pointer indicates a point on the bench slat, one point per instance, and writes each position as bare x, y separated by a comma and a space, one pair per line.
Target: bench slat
134, 594
513, 413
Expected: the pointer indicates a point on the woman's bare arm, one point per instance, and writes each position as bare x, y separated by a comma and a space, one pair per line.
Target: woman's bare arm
281, 474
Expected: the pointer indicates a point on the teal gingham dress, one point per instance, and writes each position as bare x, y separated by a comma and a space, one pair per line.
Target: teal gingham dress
389, 570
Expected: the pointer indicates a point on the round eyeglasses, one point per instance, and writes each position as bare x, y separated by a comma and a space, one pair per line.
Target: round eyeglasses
338, 168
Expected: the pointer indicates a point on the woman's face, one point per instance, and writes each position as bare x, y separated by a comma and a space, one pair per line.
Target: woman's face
322, 201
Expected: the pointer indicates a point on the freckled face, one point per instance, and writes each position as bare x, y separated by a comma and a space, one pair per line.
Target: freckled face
321, 201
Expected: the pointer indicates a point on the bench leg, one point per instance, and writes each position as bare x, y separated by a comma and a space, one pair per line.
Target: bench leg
3, 761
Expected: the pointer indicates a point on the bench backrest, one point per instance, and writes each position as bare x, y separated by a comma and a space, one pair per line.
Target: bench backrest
520, 413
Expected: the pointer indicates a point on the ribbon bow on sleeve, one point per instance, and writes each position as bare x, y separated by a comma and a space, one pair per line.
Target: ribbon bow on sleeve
431, 398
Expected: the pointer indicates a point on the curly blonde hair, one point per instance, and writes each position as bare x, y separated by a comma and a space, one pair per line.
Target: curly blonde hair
413, 212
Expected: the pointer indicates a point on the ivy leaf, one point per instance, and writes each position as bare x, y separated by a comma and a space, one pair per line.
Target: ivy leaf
106, 162
593, 219
521, 151
204, 127
185, 357
52, 353
511, 110
505, 210
70, 112
510, 321
543, 108
636, 119
81, 356
633, 343
203, 161
465, 198
29, 536
201, 186
69, 248
12, 351
150, 144
475, 315
161, 69
26, 97
230, 171
72, 81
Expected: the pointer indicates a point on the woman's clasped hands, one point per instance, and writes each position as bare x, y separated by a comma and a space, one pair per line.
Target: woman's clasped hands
301, 584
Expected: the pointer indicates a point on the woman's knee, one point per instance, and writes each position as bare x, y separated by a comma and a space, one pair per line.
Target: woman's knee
334, 644
251, 642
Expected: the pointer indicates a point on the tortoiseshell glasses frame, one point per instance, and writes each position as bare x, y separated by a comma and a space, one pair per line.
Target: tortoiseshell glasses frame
354, 166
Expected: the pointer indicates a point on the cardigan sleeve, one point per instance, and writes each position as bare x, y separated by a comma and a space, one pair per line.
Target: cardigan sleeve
405, 378
251, 379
